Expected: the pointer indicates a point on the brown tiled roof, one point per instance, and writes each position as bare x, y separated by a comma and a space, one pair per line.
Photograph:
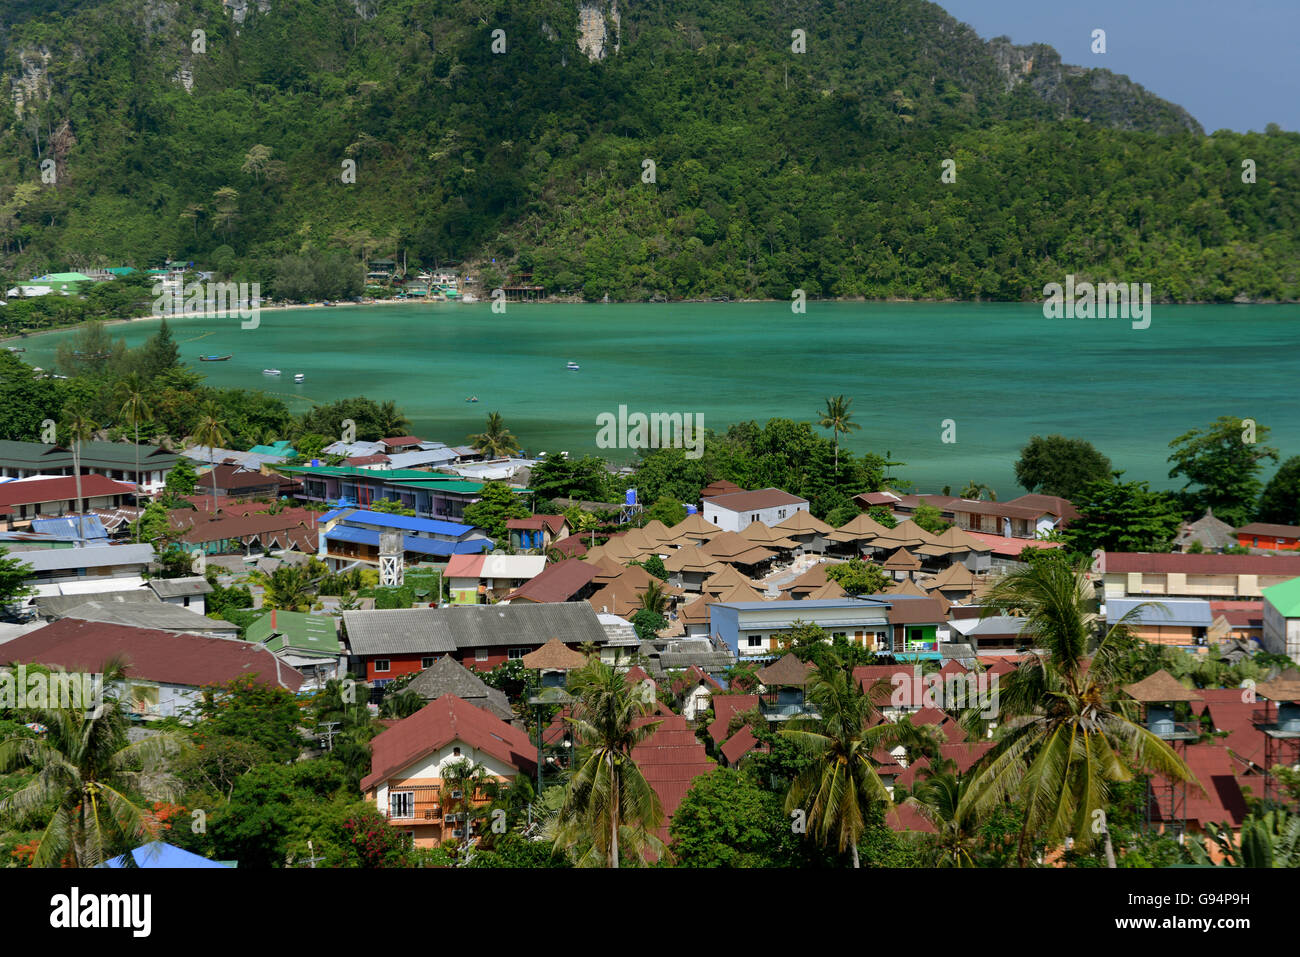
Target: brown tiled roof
571, 546
788, 670
829, 590
803, 522
915, 611
553, 656
902, 559
398, 441
726, 579
559, 582
536, 522
956, 577
692, 527
761, 534
1270, 531
697, 612
35, 491
1063, 508
690, 558
753, 501
861, 526
438, 724
906, 587
162, 656
720, 487
739, 745
1285, 687
1160, 686
734, 547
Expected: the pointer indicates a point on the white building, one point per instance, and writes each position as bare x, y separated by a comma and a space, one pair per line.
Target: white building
736, 511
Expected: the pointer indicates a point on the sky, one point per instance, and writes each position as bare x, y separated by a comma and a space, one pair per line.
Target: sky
1232, 64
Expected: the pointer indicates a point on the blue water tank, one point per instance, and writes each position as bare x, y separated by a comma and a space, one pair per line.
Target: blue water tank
631, 496
315, 463
691, 510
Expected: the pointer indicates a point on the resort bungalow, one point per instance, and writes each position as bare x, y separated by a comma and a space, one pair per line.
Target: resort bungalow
409, 762
349, 535
114, 460
771, 506
754, 629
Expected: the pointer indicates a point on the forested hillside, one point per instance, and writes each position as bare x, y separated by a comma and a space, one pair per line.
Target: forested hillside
772, 169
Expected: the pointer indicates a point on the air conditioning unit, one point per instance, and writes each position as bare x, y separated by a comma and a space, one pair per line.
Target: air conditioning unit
458, 832
457, 795
449, 819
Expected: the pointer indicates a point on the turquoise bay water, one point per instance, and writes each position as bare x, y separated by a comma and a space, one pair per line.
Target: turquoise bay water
1001, 371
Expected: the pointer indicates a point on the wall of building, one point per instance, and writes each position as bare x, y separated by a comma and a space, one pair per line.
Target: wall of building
730, 521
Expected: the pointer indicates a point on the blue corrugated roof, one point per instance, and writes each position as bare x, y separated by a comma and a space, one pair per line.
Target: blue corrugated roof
361, 516
90, 527
159, 854
412, 543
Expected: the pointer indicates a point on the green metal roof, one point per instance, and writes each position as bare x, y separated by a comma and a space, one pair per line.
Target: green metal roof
410, 478
1285, 598
297, 631
63, 277
97, 454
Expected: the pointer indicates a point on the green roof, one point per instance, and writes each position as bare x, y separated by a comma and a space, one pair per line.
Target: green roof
283, 447
63, 277
411, 478
1285, 598
96, 454
121, 270
297, 631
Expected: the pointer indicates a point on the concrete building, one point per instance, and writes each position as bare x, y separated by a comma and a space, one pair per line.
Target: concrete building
734, 511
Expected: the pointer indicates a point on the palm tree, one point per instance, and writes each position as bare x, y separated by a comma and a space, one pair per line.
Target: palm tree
288, 588
80, 426
607, 800
212, 432
1071, 734
86, 768
135, 409
390, 421
975, 490
837, 417
938, 797
496, 441
840, 784
655, 598
474, 785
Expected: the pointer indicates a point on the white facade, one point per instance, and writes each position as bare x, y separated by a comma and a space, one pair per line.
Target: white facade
730, 520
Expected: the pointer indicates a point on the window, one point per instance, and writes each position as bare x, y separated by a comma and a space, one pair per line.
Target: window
426, 662
382, 664
514, 654
480, 654
780, 513
401, 804
187, 601
755, 641
455, 752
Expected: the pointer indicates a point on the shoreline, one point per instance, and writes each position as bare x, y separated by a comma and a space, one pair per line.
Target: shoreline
579, 301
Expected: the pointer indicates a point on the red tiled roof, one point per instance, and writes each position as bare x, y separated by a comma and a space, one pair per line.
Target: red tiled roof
905, 817
1241, 614
1222, 801
36, 491
724, 707
1188, 563
558, 582
1010, 547
670, 759
162, 656
694, 675
397, 441
377, 459
1230, 713
1062, 508
438, 724
635, 675
739, 745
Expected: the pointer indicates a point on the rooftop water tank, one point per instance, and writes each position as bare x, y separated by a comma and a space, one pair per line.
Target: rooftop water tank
691, 510
631, 497
1288, 716
315, 463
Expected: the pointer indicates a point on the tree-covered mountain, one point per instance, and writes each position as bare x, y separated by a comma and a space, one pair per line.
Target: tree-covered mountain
773, 169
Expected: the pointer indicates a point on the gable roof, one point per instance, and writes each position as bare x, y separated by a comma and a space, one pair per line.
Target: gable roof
35, 491
161, 656
297, 631
438, 724
158, 615
1285, 598
804, 522
753, 501
1159, 687
556, 583
427, 631
447, 676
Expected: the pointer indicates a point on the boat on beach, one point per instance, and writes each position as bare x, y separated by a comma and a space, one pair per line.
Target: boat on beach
270, 372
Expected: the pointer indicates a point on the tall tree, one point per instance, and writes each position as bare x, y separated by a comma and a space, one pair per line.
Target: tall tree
837, 417
90, 773
608, 802
1280, 501
211, 431
1221, 464
1060, 466
79, 426
135, 409
495, 441
1072, 732
1123, 517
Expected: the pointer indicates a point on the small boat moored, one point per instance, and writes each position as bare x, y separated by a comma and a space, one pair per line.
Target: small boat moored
299, 377
270, 372
216, 358
573, 367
